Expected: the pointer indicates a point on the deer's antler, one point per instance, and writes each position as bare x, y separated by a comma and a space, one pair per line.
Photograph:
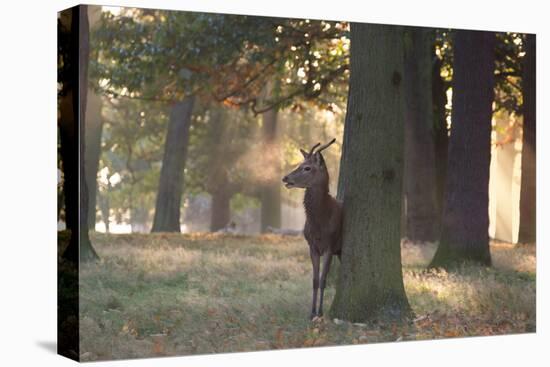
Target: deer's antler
323, 147
313, 148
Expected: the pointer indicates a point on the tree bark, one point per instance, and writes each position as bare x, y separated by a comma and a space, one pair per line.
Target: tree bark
419, 172
465, 224
370, 285
168, 203
528, 214
217, 179
72, 133
221, 209
271, 190
340, 191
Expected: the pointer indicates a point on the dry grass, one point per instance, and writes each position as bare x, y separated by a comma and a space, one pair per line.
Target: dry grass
157, 295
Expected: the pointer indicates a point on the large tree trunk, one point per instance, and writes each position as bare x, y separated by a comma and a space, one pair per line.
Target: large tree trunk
465, 224
370, 285
528, 214
419, 172
170, 190
72, 132
271, 189
441, 138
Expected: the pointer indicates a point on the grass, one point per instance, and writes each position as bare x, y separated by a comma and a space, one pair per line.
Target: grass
170, 294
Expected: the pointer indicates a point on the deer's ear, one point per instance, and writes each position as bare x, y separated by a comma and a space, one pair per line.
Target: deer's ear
318, 158
304, 153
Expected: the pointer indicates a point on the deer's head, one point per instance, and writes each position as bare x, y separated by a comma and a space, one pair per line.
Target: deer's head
312, 171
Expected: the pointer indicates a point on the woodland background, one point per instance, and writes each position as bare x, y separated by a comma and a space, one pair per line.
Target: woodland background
191, 120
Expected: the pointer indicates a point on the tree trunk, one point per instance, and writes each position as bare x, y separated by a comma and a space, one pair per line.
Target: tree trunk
341, 174
271, 190
465, 224
370, 285
528, 214
217, 181
419, 172
441, 138
72, 132
94, 127
168, 204
221, 209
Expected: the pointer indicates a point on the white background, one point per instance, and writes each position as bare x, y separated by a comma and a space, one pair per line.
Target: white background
28, 182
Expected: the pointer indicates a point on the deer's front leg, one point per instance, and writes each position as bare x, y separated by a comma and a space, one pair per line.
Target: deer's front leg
315, 261
327, 260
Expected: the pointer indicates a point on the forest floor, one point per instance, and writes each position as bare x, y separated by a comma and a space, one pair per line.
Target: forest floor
171, 294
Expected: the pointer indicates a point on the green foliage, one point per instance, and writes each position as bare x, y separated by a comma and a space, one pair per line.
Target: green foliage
165, 55
509, 58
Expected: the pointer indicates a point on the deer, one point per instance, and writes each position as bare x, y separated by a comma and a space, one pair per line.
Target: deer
323, 226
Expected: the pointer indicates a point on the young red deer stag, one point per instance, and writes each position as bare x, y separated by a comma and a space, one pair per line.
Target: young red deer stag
323, 228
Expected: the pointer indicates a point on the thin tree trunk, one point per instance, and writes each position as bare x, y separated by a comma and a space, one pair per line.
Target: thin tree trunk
370, 285
466, 216
170, 190
419, 172
218, 183
271, 190
528, 214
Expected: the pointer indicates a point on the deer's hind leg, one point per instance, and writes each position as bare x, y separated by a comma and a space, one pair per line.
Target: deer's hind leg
315, 261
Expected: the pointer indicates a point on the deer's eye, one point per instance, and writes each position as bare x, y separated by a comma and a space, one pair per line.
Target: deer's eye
307, 168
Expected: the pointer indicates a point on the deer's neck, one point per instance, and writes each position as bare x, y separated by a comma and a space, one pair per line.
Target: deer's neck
316, 201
